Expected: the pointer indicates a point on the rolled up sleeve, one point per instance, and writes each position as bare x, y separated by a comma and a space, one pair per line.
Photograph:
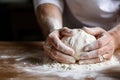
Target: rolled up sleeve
58, 3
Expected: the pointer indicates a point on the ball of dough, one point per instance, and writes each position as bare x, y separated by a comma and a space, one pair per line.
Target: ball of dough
78, 41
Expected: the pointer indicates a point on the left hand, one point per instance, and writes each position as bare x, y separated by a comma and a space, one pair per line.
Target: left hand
100, 50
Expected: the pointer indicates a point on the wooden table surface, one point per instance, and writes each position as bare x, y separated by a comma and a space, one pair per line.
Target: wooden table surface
11, 54
13, 65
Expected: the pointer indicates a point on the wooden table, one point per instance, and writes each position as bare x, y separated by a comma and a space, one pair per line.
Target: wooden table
15, 57
11, 54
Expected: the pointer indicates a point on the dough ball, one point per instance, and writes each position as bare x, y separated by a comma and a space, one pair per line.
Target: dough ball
78, 41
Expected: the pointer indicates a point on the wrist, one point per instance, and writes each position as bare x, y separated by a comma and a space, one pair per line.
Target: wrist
50, 30
115, 33
115, 38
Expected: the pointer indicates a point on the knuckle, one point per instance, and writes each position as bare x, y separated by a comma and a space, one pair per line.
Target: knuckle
99, 52
53, 34
50, 36
111, 47
99, 43
101, 29
108, 57
57, 45
55, 54
64, 28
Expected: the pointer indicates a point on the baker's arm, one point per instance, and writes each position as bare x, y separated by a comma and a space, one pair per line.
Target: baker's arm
49, 18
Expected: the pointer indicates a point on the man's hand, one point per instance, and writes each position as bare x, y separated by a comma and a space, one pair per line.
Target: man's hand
56, 49
101, 49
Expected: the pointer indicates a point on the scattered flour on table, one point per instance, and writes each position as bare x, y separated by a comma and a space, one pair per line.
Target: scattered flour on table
47, 68
53, 65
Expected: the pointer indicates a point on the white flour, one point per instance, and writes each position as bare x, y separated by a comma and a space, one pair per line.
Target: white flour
42, 62
52, 65
43, 67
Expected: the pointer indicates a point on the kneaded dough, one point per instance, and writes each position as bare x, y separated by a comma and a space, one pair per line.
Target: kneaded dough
78, 41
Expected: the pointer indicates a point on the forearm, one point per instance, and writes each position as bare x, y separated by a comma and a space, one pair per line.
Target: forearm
115, 32
49, 18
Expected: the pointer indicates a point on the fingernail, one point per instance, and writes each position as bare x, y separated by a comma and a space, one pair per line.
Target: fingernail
85, 27
86, 49
71, 51
81, 62
69, 31
72, 60
82, 56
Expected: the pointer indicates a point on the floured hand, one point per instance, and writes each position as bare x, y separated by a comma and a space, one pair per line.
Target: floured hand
101, 49
56, 49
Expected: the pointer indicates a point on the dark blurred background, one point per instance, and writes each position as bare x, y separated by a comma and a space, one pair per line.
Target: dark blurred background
18, 21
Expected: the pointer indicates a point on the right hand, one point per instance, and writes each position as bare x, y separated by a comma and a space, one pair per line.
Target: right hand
56, 49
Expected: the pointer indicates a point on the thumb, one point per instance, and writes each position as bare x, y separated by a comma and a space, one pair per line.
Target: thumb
66, 32
93, 31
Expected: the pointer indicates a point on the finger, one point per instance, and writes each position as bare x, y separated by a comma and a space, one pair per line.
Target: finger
91, 61
58, 56
88, 55
66, 31
61, 57
105, 39
93, 31
95, 53
59, 45
108, 56
47, 50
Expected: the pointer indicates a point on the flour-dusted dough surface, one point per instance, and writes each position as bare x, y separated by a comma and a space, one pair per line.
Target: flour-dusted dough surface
78, 41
